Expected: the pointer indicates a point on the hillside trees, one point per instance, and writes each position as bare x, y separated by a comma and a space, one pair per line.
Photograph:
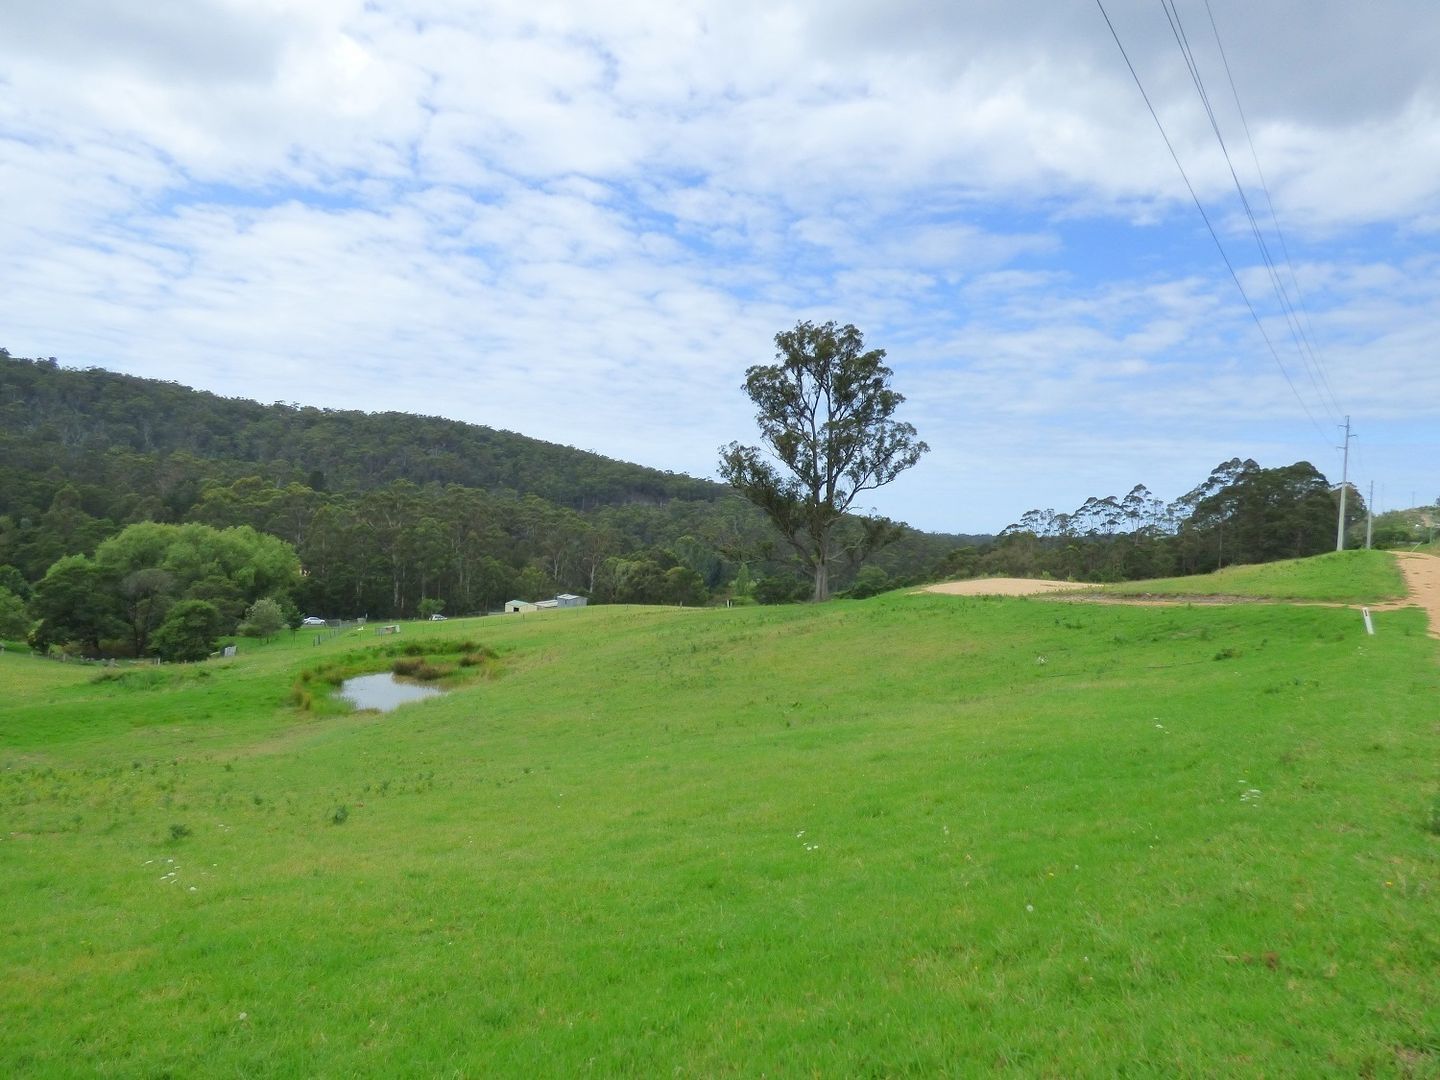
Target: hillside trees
74, 601
137, 578
1240, 513
90, 412
14, 621
826, 415
1247, 514
189, 632
383, 510
263, 619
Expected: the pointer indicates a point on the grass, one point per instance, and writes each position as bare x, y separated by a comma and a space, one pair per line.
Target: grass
1353, 577
914, 835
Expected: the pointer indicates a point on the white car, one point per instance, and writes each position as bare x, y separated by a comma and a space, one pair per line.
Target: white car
311, 620
438, 618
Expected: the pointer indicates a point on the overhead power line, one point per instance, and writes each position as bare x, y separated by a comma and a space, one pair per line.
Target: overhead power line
1282, 293
1306, 330
1199, 206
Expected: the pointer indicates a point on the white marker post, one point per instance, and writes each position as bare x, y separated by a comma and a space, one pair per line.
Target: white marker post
1369, 626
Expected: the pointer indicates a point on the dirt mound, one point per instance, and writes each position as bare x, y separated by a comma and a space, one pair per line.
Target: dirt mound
1003, 586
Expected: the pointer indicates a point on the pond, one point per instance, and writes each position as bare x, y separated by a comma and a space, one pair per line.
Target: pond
383, 692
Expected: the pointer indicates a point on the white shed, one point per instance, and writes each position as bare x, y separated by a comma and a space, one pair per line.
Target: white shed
519, 607
566, 599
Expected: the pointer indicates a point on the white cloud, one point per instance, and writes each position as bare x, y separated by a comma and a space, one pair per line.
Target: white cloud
583, 222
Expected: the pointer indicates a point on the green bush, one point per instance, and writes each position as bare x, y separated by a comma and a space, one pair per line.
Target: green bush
868, 582
189, 631
778, 589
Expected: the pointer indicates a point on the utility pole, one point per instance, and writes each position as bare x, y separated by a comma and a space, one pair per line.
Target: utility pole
1370, 515
1344, 483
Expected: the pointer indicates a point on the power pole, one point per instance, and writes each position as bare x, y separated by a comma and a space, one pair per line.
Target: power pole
1344, 483
1370, 515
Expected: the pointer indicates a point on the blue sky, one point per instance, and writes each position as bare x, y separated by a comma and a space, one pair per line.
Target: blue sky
583, 222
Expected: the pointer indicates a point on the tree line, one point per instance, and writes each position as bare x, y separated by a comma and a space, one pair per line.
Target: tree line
363, 502
1240, 513
344, 514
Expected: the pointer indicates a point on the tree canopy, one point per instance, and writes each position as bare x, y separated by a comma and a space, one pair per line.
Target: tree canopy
138, 578
1240, 513
826, 415
384, 511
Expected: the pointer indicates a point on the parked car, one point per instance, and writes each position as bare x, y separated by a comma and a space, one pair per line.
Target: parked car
438, 618
311, 620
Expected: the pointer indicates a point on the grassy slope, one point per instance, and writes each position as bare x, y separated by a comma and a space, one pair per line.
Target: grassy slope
878, 837
1343, 576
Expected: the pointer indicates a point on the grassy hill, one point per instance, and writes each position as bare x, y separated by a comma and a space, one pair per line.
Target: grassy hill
1341, 577
912, 835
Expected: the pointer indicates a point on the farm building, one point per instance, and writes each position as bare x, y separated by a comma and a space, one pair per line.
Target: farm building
564, 600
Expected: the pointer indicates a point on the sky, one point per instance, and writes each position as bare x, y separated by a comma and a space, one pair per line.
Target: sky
583, 222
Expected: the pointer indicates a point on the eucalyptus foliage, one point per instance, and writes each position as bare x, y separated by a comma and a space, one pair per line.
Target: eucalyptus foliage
826, 415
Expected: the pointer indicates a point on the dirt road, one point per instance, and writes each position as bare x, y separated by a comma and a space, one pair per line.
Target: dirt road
1422, 589
1422, 585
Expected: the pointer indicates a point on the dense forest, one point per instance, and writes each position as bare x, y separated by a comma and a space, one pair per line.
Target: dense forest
126, 502
383, 510
1240, 513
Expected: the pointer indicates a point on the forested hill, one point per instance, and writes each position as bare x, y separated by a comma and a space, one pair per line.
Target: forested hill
53, 415
384, 510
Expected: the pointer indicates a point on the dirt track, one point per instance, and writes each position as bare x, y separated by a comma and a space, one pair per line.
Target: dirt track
1003, 586
1422, 587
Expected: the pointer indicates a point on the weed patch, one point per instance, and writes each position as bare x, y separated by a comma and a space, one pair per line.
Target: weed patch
422, 669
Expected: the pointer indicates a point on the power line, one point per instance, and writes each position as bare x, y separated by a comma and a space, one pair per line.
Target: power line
1274, 218
1297, 331
1275, 355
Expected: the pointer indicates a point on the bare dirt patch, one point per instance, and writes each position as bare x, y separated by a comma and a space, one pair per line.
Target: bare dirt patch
1004, 586
1422, 585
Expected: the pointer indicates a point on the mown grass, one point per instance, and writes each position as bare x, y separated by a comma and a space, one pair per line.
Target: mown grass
1342, 577
915, 835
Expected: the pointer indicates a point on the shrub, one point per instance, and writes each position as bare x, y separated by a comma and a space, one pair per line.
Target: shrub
779, 589
189, 631
868, 582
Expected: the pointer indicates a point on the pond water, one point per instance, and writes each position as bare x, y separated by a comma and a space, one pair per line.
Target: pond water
383, 692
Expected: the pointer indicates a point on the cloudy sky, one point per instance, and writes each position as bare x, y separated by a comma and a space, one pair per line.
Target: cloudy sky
583, 221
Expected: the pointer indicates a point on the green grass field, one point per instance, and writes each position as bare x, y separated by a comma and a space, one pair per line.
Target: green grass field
914, 835
1354, 577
